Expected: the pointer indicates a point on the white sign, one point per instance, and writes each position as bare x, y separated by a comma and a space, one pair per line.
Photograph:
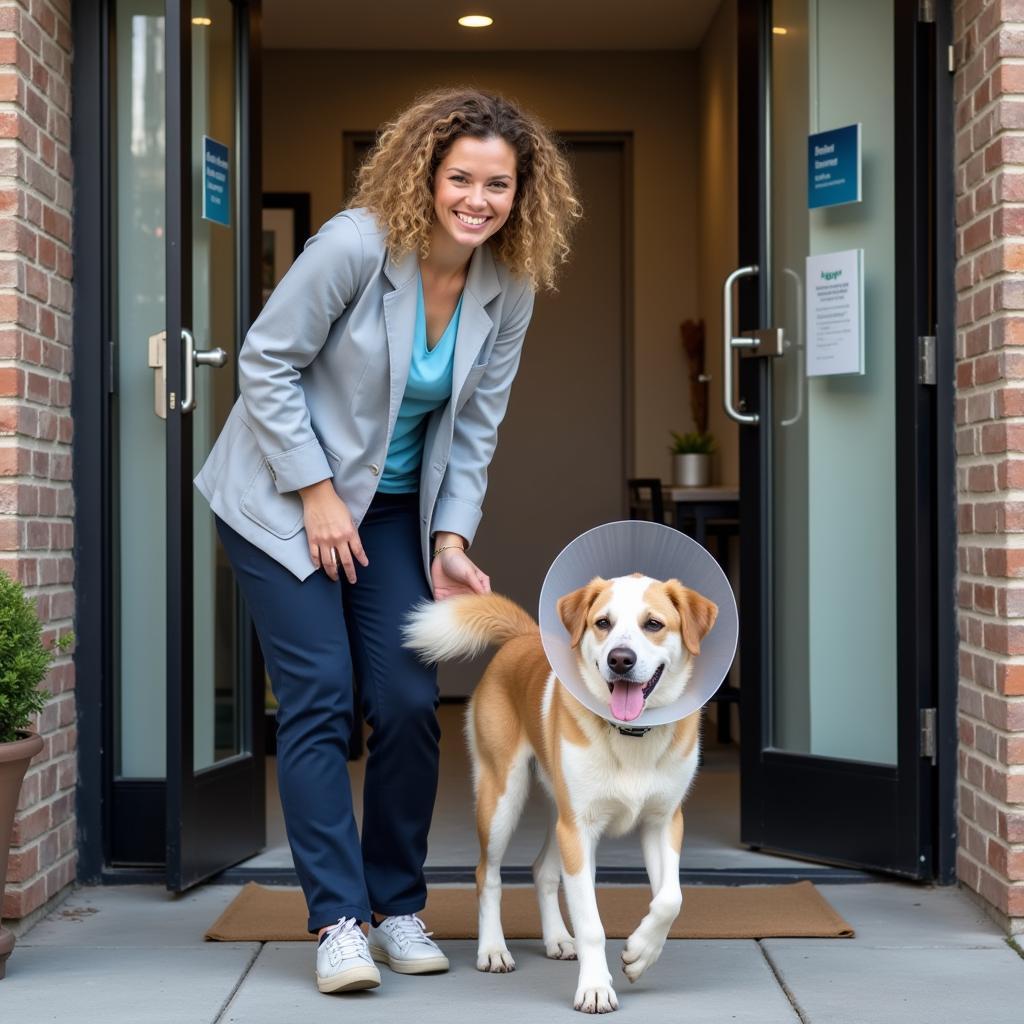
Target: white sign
835, 313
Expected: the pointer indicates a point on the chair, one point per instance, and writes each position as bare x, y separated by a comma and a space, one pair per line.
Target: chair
645, 499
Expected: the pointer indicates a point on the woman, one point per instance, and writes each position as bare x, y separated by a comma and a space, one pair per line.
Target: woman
371, 389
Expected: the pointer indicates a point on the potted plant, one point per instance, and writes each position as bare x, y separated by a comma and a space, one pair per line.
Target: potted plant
691, 458
24, 661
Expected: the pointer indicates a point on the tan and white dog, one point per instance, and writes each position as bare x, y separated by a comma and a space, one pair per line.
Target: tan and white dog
635, 639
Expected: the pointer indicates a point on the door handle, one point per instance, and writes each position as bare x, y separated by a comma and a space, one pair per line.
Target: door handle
194, 358
730, 343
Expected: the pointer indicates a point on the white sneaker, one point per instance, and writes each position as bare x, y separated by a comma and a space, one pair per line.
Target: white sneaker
402, 943
343, 961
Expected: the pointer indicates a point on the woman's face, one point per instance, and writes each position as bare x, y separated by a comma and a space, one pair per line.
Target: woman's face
473, 189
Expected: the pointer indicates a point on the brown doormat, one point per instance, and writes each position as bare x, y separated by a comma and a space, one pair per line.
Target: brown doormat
262, 914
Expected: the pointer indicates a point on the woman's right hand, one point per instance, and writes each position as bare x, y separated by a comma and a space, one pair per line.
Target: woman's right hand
331, 534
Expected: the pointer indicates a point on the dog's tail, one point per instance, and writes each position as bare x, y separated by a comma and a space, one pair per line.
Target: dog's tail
462, 626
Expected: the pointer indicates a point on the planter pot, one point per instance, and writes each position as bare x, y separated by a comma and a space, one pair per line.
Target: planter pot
14, 759
691, 470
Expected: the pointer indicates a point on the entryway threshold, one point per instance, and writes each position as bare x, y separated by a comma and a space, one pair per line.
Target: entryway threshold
240, 874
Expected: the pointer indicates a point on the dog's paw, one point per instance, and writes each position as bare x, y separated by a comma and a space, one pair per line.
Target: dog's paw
638, 955
599, 999
495, 961
562, 948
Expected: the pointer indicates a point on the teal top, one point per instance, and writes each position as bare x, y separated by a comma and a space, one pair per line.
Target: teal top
428, 387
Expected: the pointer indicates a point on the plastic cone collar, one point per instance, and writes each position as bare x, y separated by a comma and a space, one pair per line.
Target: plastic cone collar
622, 548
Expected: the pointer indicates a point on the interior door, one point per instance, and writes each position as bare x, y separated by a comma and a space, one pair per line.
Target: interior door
215, 773
837, 481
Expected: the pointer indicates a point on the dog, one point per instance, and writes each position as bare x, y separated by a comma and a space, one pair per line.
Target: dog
635, 639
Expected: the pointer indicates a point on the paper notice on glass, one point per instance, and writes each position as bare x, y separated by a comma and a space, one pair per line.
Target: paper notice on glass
835, 313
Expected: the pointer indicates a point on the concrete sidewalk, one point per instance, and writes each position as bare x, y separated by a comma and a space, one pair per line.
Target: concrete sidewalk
123, 955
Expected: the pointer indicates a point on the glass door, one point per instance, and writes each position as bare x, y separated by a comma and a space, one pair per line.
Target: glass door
215, 781
837, 598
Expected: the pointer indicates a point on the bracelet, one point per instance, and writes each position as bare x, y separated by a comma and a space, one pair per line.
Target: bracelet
444, 547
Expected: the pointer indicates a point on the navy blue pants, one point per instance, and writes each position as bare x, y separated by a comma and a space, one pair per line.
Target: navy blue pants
313, 632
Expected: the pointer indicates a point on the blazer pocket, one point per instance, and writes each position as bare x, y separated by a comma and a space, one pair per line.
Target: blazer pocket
281, 514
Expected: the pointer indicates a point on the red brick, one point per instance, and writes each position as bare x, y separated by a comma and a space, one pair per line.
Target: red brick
978, 234
22, 864
1012, 826
21, 901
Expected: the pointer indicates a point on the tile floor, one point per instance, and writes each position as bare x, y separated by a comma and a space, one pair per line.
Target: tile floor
126, 954
136, 953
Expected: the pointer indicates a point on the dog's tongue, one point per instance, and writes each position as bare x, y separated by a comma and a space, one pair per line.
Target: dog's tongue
627, 700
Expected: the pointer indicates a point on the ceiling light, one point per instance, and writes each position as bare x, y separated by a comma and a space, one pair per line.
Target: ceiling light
475, 21
202, 21
779, 31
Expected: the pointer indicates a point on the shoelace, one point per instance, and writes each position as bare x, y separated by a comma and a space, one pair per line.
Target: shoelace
344, 939
406, 928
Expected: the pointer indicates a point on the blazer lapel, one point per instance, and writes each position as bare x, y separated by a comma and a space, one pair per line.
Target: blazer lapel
474, 323
400, 322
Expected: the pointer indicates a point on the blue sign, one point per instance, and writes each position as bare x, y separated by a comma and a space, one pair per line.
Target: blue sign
216, 182
833, 167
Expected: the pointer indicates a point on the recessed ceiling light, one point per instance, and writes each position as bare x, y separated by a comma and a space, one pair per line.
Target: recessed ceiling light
202, 21
779, 31
475, 21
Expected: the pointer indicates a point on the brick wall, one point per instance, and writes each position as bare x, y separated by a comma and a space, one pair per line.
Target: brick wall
989, 101
36, 503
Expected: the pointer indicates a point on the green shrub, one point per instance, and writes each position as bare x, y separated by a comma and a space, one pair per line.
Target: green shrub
694, 443
23, 660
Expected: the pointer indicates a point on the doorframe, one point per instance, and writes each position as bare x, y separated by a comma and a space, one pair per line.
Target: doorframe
946, 641
931, 590
92, 32
126, 816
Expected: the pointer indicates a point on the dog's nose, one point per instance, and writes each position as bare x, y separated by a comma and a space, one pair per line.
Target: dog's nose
621, 659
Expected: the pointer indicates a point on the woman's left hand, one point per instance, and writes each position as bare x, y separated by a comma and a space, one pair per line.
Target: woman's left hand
452, 572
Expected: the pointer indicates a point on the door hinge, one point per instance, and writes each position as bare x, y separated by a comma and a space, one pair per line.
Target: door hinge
926, 11
926, 359
928, 733
951, 59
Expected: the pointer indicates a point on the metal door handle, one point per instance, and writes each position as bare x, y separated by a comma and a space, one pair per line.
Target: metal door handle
731, 342
193, 358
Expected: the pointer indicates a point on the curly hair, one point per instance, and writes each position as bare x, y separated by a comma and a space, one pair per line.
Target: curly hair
396, 180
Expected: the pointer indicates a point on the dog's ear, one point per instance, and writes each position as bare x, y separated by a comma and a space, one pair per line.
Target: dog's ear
696, 613
573, 608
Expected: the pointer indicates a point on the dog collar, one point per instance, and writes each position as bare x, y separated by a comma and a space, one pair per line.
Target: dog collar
639, 731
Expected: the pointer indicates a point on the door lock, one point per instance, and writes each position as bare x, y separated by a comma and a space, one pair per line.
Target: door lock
193, 358
768, 342
158, 360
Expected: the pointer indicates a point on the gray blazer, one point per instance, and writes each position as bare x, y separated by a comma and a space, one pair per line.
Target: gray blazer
322, 373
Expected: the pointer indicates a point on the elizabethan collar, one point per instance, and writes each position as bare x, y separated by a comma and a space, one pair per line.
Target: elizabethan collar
622, 548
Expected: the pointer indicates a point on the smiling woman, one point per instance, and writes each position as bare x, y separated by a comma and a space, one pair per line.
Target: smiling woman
349, 479
474, 188
399, 178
